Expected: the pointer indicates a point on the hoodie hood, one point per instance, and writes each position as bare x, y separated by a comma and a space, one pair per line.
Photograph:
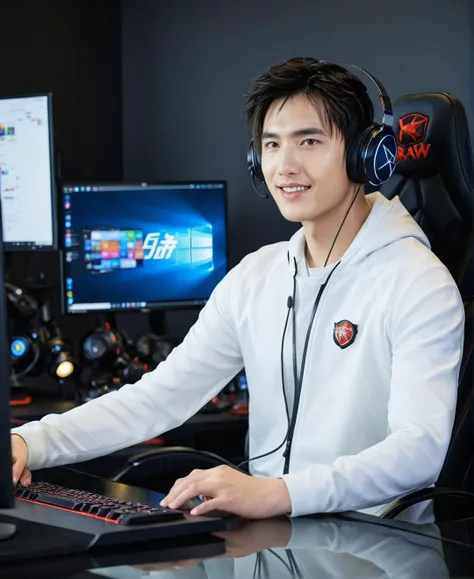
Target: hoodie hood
388, 222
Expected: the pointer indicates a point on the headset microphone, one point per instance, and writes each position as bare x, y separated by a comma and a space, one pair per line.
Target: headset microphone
289, 302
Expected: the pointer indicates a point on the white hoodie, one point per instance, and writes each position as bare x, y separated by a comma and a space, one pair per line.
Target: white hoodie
374, 419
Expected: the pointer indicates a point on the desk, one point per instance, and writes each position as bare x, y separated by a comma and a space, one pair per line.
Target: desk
339, 547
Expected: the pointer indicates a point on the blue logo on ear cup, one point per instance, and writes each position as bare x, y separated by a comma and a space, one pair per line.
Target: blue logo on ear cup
385, 159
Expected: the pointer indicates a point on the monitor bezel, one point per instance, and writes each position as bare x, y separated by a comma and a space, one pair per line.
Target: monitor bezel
150, 307
6, 481
20, 246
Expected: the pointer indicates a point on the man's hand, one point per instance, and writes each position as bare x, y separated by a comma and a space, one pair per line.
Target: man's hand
227, 489
20, 457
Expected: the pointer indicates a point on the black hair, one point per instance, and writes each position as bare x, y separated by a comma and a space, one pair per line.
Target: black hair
340, 95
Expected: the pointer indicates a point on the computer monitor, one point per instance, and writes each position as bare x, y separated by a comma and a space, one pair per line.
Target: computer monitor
142, 246
6, 484
28, 176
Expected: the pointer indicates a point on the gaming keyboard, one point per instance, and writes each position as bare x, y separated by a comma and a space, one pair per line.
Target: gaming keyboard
94, 505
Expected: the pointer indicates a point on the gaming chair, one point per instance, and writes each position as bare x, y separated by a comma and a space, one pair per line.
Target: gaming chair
434, 179
434, 176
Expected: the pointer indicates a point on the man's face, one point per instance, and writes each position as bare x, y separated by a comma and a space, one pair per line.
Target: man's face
303, 165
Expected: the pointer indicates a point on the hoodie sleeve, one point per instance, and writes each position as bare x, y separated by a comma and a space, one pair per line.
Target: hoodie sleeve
425, 324
195, 371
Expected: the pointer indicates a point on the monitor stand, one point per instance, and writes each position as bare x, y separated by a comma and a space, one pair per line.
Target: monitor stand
7, 530
157, 320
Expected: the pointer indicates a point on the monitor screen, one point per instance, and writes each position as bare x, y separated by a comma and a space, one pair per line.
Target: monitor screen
27, 169
143, 246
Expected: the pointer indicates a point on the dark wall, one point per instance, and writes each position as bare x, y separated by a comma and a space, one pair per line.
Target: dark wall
71, 49
187, 65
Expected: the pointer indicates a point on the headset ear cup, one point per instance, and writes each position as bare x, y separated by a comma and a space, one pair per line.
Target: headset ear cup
371, 156
356, 161
254, 163
380, 155
154, 349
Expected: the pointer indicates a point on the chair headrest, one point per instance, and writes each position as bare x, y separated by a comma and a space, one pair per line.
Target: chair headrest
433, 139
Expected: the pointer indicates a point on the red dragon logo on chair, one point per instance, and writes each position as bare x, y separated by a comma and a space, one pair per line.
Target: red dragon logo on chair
412, 131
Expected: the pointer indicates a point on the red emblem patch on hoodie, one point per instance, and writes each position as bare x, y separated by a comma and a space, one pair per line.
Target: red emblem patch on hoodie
344, 333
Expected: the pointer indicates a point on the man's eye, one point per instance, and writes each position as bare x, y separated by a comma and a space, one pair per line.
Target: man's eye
270, 145
311, 142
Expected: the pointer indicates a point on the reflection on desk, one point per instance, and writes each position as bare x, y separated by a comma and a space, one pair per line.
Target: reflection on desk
310, 548
338, 546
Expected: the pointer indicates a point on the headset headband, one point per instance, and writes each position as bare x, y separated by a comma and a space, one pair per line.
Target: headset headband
386, 103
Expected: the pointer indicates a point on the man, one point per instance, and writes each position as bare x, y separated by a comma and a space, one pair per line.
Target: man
350, 334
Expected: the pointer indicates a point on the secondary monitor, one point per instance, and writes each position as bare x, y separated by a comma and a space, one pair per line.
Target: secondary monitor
27, 170
142, 246
6, 483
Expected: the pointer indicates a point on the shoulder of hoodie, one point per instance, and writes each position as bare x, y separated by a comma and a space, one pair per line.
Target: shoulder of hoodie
407, 258
412, 271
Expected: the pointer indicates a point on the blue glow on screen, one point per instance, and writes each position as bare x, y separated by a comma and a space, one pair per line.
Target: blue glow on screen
143, 245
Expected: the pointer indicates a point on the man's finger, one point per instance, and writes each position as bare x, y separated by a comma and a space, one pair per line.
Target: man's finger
182, 484
188, 493
207, 506
191, 491
25, 478
175, 490
17, 471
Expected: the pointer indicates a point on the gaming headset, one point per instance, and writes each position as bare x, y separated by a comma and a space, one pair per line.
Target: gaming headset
371, 155
153, 349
